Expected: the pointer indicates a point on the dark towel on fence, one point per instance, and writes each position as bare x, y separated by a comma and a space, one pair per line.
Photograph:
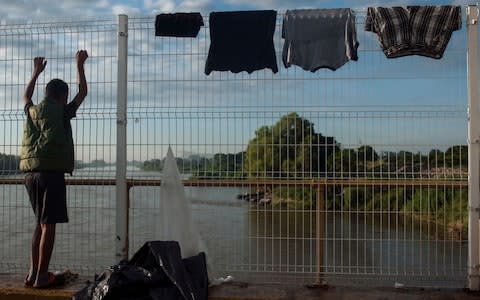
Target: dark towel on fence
178, 24
242, 41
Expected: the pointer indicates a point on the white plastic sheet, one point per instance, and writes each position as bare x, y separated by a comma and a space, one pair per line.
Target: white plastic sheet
176, 222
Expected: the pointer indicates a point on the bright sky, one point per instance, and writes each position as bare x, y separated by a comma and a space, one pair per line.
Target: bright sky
40, 9
417, 84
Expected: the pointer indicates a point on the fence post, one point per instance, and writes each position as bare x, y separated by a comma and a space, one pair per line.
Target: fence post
121, 237
320, 231
473, 150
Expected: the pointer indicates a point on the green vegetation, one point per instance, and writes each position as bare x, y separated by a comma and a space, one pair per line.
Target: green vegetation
292, 149
9, 164
289, 149
96, 163
365, 162
153, 165
220, 165
443, 207
294, 198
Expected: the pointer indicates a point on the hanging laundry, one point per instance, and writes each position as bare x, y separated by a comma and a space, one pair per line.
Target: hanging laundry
414, 30
178, 24
242, 41
319, 38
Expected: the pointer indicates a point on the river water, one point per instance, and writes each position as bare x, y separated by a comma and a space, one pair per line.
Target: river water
241, 238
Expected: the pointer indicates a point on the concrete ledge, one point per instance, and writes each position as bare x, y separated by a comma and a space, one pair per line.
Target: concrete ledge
11, 288
239, 291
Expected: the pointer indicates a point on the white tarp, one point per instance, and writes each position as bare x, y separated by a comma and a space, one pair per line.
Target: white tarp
176, 222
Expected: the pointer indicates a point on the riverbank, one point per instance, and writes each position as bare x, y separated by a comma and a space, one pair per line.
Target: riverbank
443, 211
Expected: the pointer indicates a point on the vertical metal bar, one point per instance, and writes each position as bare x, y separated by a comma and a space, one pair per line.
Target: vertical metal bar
320, 231
473, 149
121, 240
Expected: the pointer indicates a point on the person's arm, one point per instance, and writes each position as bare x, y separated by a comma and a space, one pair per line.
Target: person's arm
81, 57
39, 64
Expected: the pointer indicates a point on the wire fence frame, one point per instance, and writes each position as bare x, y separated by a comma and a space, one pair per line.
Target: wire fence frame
289, 251
80, 246
220, 112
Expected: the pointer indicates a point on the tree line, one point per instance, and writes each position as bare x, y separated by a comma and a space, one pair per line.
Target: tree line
291, 148
9, 164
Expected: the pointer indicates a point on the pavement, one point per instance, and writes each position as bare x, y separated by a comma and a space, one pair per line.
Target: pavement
11, 288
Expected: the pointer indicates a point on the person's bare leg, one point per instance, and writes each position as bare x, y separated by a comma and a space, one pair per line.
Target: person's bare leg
32, 273
47, 241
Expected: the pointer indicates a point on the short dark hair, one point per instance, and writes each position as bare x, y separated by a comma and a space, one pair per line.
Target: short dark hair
56, 88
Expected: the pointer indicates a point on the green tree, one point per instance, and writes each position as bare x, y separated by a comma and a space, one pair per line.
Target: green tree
220, 165
97, 163
366, 158
456, 156
367, 153
224, 165
435, 158
9, 164
405, 158
343, 163
153, 165
289, 148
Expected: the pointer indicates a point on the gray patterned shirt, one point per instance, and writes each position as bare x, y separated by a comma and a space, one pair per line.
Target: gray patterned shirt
414, 30
319, 38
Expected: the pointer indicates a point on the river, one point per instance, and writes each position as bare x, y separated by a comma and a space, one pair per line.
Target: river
241, 238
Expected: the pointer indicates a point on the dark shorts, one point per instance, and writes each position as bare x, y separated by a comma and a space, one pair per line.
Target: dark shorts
48, 195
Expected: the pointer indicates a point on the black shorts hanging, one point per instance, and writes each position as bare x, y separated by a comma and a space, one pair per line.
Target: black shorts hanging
178, 24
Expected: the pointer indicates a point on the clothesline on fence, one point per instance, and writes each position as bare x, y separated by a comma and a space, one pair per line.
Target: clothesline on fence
313, 38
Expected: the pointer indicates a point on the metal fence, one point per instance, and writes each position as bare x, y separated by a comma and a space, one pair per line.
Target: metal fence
86, 243
352, 176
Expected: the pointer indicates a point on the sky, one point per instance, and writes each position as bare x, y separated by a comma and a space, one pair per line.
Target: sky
40, 9
409, 103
